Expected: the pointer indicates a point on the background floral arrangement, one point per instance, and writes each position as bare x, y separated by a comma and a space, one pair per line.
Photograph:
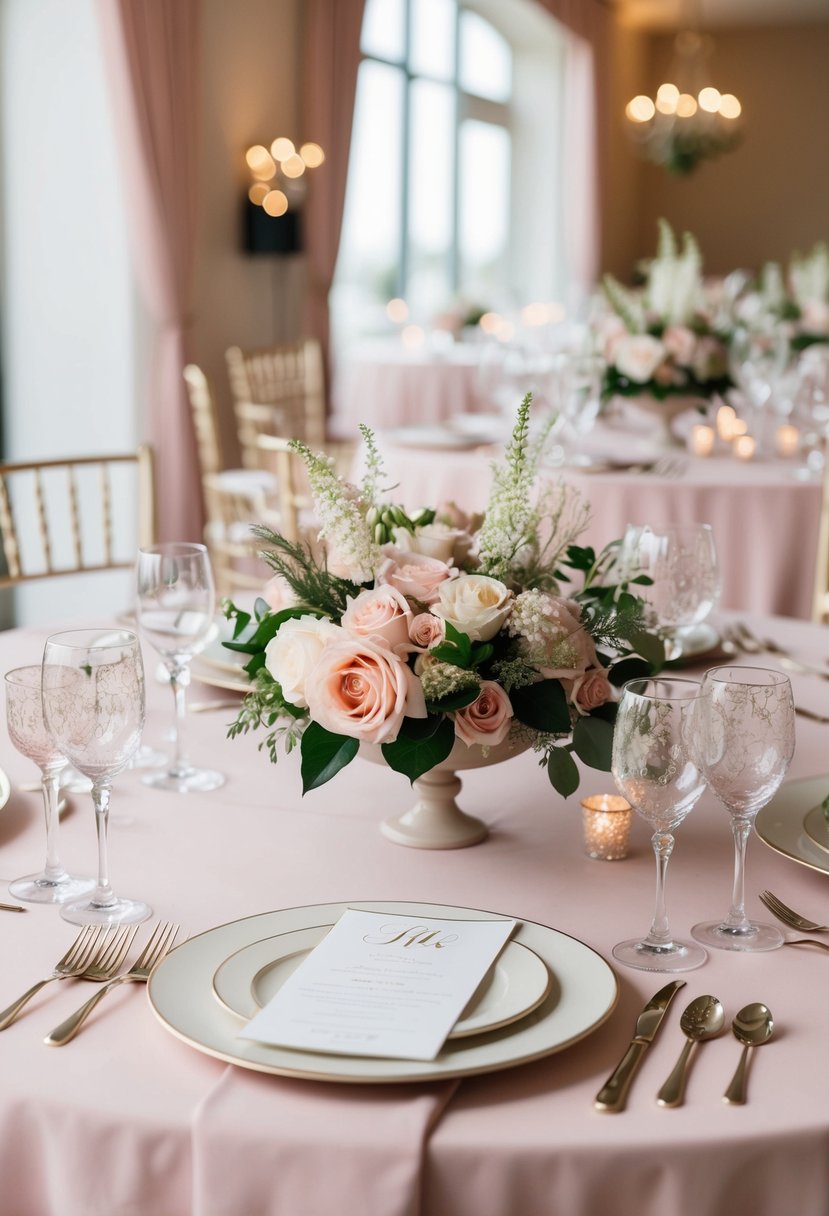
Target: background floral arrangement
415, 631
665, 338
798, 297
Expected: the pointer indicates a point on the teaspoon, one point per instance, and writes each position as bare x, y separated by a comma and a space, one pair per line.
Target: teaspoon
752, 1026
702, 1019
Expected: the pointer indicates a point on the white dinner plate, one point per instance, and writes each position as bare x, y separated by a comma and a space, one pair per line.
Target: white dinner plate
217, 655
516, 983
583, 992
781, 823
433, 437
816, 827
231, 681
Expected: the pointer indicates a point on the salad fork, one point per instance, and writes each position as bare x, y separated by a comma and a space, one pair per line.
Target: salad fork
788, 916
160, 943
92, 946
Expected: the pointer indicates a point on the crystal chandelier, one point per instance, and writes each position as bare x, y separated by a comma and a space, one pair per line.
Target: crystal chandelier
689, 120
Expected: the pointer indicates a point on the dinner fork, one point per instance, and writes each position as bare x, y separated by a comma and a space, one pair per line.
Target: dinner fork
788, 915
159, 945
93, 945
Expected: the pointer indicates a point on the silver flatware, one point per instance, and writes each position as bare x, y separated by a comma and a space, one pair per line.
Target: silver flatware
811, 715
806, 941
752, 1026
613, 1094
788, 916
703, 1019
11, 908
160, 943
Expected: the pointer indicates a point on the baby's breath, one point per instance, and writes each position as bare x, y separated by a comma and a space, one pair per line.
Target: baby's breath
441, 680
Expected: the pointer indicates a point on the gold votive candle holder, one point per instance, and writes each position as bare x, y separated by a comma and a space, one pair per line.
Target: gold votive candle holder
787, 440
744, 446
606, 819
702, 439
726, 417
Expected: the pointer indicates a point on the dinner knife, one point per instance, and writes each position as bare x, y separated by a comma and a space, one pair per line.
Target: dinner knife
612, 1095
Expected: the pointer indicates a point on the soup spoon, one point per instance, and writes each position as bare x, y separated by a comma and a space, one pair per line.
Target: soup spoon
752, 1026
702, 1019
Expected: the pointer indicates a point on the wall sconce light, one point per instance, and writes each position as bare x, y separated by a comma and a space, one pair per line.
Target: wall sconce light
275, 194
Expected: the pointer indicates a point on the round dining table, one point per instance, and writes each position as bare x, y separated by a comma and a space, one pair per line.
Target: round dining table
129, 1120
766, 518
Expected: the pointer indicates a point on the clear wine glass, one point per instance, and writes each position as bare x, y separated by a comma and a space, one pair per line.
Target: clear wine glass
576, 388
176, 605
681, 562
27, 731
93, 707
653, 768
744, 735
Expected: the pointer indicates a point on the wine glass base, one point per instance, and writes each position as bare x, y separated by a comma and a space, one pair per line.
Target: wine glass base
38, 889
679, 956
119, 912
761, 937
189, 781
149, 757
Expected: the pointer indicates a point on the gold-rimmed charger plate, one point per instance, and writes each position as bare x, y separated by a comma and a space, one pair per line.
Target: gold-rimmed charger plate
214, 677
583, 993
5, 789
781, 823
514, 986
816, 827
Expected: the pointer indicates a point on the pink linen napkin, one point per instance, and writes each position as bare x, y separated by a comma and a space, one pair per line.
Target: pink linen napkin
266, 1146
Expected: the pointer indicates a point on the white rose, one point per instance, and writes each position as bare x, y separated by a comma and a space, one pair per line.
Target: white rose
436, 540
638, 356
475, 604
294, 651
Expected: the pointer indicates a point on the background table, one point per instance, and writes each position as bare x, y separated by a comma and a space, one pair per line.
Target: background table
127, 1120
765, 521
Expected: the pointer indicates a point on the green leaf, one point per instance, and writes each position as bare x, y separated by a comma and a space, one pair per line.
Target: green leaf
542, 706
261, 608
323, 755
593, 742
267, 629
563, 772
581, 557
455, 700
456, 649
421, 744
649, 646
481, 654
628, 669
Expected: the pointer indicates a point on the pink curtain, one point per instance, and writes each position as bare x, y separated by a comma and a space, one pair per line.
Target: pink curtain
332, 57
151, 49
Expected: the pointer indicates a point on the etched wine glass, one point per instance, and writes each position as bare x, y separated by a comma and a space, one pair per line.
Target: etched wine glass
27, 731
93, 706
653, 768
176, 603
745, 736
680, 562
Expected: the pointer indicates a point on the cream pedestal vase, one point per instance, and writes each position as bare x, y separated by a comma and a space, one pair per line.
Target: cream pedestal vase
436, 821
664, 412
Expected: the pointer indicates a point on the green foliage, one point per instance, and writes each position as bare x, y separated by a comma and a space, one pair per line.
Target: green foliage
323, 755
315, 587
562, 771
593, 741
543, 706
421, 744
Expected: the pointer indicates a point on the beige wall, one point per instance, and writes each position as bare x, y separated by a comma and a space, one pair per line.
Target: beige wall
766, 199
250, 57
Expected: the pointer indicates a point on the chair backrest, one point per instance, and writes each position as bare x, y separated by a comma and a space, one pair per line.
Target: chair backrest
75, 515
290, 379
233, 505
205, 420
293, 499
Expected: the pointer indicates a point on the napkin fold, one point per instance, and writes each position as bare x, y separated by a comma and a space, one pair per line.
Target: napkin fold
265, 1146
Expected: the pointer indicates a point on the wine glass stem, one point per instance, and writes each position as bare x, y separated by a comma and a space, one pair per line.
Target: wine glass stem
50, 782
179, 679
660, 933
737, 919
103, 894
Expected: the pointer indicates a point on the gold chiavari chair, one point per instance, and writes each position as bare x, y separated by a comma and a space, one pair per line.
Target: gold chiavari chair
75, 515
278, 391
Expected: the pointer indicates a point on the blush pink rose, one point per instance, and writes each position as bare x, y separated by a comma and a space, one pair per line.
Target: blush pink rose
425, 630
487, 720
681, 343
593, 690
277, 594
571, 651
413, 574
381, 612
361, 688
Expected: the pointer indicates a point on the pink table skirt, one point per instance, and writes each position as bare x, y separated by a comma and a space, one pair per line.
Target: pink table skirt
128, 1121
765, 521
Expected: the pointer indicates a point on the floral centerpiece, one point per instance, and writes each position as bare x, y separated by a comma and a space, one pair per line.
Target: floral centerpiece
414, 631
664, 339
797, 298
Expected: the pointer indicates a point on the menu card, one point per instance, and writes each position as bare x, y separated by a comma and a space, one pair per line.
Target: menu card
382, 985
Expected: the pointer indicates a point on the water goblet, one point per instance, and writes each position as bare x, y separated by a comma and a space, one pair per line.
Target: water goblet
93, 706
744, 736
27, 731
680, 560
175, 606
654, 769
576, 387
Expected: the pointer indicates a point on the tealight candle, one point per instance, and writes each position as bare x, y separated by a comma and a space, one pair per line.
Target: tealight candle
788, 440
726, 417
702, 439
744, 446
606, 819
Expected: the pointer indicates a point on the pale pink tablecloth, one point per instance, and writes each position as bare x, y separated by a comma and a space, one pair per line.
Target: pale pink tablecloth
765, 521
129, 1121
385, 386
